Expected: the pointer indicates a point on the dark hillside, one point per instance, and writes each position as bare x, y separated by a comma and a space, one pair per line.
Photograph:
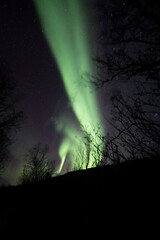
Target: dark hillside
123, 196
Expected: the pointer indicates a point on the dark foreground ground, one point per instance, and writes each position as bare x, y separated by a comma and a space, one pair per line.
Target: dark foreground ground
114, 200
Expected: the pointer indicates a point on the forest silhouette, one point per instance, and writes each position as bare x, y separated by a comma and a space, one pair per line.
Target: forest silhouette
120, 194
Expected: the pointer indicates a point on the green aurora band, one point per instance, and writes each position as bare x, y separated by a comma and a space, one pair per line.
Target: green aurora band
65, 28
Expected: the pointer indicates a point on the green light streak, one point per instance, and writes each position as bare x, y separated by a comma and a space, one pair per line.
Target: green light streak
63, 151
64, 26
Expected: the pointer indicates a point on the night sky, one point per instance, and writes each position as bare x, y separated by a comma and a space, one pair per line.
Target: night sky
50, 47
87, 76
24, 48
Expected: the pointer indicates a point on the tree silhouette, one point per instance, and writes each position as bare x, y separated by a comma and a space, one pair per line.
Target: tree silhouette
132, 42
132, 57
90, 151
37, 165
10, 118
136, 130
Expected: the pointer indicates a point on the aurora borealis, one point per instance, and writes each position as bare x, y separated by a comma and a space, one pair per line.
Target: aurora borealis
53, 51
65, 27
49, 46
79, 116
